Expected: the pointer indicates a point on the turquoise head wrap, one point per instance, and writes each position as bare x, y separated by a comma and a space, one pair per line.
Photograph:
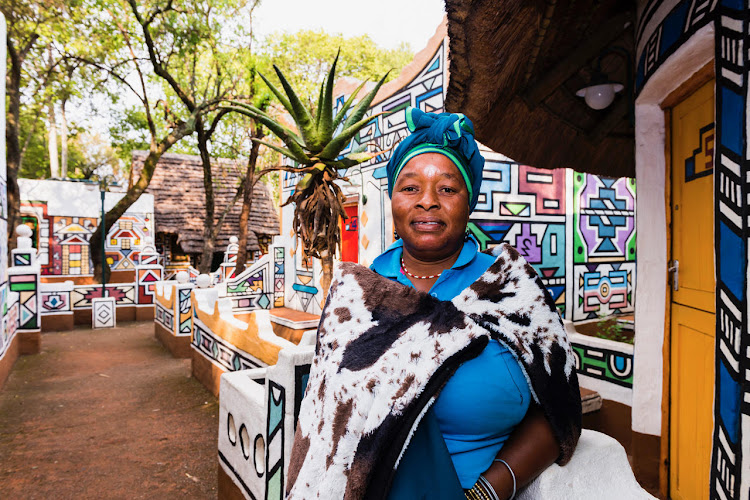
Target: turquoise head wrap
448, 134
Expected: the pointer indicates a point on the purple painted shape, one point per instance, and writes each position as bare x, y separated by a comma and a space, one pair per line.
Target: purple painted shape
527, 245
588, 231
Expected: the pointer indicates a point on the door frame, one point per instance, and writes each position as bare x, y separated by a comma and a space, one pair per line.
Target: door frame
691, 85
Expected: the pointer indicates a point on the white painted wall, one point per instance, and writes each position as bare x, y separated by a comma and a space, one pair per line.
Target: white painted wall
651, 226
73, 198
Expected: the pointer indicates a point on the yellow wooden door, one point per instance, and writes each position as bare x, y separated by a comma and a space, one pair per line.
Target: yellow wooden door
693, 307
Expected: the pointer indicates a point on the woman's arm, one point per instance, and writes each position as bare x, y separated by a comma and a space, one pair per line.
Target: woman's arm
530, 449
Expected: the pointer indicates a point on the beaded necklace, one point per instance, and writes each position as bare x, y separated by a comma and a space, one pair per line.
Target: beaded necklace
406, 271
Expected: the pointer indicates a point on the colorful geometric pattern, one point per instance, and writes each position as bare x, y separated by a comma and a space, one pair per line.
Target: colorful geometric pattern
103, 312
220, 352
185, 311
148, 276
27, 286
253, 289
54, 302
278, 277
730, 471
163, 316
275, 441
604, 364
123, 293
730, 468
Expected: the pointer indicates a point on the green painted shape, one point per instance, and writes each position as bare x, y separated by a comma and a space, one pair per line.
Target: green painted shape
273, 486
601, 364
579, 183
241, 288
482, 238
22, 287
516, 208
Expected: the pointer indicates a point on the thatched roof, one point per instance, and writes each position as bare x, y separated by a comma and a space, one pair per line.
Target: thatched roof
179, 200
516, 65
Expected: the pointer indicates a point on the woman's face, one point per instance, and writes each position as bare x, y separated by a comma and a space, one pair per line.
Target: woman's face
430, 205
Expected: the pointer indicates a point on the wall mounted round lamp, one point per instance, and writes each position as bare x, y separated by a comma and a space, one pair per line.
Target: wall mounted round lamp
600, 93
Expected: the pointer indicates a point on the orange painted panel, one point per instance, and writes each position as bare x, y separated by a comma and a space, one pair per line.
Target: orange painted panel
692, 199
691, 415
693, 319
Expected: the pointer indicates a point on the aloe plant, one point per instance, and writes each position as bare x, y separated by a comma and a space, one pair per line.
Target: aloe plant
316, 148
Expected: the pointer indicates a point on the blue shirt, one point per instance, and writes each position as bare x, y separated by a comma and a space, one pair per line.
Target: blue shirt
488, 396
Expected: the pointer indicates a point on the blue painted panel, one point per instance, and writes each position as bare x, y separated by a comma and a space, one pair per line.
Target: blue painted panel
730, 395
732, 121
731, 257
303, 288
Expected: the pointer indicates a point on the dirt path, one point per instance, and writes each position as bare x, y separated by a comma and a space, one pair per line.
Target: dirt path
106, 414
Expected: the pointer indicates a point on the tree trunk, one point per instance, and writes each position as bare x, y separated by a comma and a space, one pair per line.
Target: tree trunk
209, 235
64, 139
247, 201
326, 263
12, 131
134, 192
54, 165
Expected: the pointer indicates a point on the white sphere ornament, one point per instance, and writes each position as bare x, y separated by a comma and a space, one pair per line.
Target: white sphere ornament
182, 277
203, 281
600, 96
233, 240
24, 231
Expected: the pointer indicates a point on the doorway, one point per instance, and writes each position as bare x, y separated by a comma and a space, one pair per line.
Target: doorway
692, 284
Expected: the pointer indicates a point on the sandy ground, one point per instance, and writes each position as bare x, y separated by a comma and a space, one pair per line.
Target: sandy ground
106, 414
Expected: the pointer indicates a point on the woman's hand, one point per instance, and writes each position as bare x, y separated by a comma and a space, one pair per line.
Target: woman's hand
530, 449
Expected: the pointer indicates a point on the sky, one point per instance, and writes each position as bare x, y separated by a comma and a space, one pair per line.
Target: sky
388, 22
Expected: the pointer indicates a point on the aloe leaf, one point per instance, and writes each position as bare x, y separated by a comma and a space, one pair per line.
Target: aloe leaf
299, 159
320, 101
325, 107
334, 147
299, 113
281, 97
361, 108
279, 130
353, 159
254, 111
348, 104
304, 183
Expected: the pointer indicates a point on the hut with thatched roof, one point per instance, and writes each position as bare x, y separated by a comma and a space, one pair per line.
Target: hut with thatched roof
179, 207
680, 124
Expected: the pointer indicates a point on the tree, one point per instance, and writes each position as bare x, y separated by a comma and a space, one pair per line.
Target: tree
159, 37
316, 147
29, 24
304, 56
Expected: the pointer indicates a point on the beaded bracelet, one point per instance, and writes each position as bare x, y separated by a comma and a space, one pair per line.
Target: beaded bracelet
482, 490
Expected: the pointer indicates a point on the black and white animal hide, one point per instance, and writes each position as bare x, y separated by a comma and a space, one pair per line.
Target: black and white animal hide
384, 352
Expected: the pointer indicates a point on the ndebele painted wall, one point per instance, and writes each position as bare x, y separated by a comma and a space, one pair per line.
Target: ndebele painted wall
64, 215
577, 230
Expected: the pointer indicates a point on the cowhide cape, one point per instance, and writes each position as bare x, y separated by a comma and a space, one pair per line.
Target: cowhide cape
384, 352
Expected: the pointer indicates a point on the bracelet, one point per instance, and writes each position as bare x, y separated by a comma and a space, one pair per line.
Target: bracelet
512, 474
482, 490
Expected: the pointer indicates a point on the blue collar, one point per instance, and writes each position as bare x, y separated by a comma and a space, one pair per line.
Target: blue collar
388, 263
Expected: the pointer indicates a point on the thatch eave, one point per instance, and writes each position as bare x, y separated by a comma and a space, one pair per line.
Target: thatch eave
514, 69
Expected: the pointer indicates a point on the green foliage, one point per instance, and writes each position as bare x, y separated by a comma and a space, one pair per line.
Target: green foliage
609, 328
316, 147
303, 58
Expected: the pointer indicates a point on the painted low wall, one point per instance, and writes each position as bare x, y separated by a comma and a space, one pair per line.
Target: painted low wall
173, 314
257, 419
222, 343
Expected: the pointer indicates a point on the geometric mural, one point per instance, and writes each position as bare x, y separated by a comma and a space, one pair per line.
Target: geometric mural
730, 466
576, 230
63, 240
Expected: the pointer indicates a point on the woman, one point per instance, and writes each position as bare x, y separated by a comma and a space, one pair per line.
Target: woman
425, 369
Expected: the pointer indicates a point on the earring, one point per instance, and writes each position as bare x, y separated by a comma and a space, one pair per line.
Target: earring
396, 237
467, 235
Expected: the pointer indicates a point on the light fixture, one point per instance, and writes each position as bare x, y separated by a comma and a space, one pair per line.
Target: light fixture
600, 92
